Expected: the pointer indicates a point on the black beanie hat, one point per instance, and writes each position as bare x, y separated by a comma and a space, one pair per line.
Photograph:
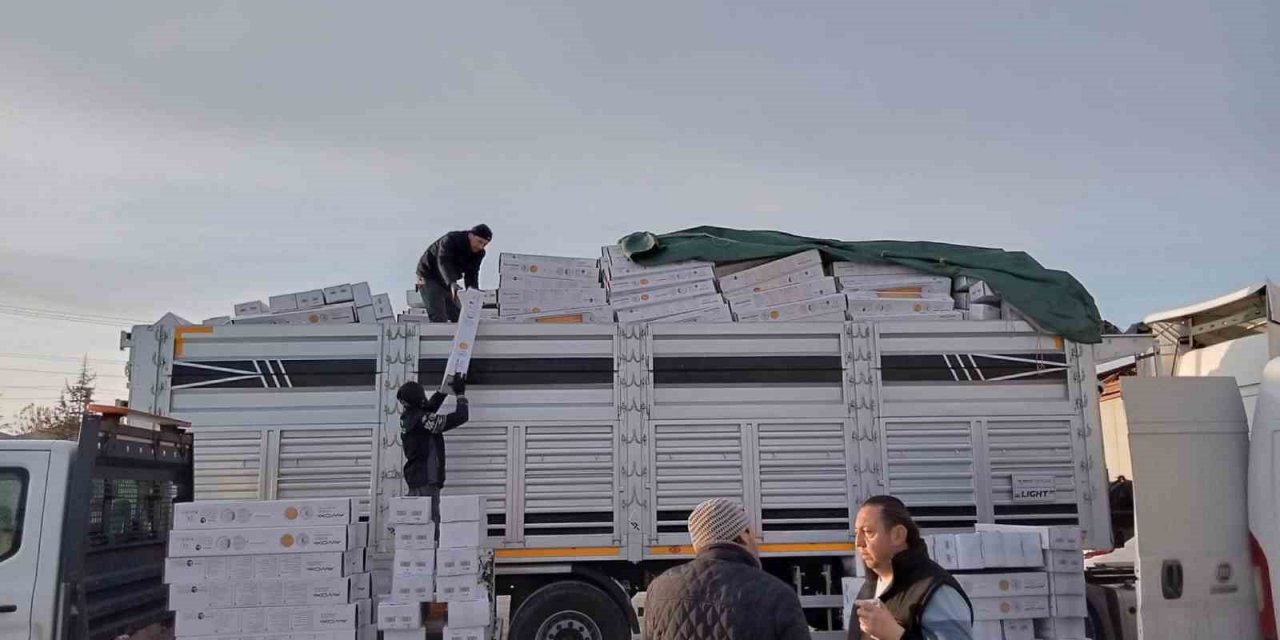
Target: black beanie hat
483, 231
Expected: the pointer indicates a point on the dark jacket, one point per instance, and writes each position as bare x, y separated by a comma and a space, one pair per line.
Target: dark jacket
915, 579
422, 434
723, 593
450, 258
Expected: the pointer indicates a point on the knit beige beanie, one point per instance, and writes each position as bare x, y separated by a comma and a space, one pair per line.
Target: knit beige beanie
716, 520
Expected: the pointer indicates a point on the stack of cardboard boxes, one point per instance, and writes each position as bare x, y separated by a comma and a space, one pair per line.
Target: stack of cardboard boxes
676, 292
887, 292
277, 570
1024, 583
788, 289
549, 289
339, 304
444, 565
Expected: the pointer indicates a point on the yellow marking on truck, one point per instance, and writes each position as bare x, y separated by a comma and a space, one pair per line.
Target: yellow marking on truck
180, 332
558, 551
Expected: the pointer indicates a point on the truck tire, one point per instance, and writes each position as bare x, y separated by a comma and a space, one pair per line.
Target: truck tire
570, 610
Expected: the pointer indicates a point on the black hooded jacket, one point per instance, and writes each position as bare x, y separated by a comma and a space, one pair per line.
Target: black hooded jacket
422, 435
450, 258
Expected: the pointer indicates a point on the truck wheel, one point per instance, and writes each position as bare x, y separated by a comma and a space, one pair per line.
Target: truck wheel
570, 610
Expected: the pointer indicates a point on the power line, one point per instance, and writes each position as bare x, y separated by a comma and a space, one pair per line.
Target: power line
77, 314
50, 386
62, 373
37, 356
66, 316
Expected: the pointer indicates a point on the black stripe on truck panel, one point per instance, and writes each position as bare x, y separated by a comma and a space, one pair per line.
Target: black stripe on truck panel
524, 371
974, 367
747, 370
273, 374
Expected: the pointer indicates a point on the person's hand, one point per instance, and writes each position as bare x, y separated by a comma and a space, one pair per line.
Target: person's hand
875, 620
459, 384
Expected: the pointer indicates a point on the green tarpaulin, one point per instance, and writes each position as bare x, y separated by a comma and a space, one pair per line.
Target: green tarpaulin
1053, 300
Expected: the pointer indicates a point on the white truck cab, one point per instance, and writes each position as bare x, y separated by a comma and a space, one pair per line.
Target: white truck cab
33, 498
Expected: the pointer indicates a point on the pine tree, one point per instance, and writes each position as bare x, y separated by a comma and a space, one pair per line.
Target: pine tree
62, 420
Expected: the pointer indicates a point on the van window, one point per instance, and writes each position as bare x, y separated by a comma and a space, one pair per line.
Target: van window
13, 500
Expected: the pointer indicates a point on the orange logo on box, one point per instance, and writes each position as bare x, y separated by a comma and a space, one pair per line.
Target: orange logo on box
286, 540
644, 296
1005, 608
773, 315
644, 281
291, 513
533, 268
464, 345
919, 307
313, 318
1004, 585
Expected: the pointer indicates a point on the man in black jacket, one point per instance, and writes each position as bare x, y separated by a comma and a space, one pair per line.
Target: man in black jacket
906, 594
723, 593
454, 255
422, 435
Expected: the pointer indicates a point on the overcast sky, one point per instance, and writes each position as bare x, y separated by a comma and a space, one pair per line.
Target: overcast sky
167, 156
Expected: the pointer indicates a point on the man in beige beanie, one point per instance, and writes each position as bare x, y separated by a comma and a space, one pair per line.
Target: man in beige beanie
723, 592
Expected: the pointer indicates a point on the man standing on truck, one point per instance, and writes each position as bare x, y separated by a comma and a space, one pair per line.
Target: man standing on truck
723, 593
454, 255
422, 431
906, 594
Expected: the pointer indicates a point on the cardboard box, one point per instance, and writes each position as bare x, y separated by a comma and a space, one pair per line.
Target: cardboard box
914, 317
459, 535
1064, 561
863, 306
283, 303
899, 286
458, 561
420, 588
981, 293
382, 308
709, 314
999, 585
993, 550
595, 315
849, 588
986, 630
786, 280
464, 338
361, 294
365, 315
471, 613
523, 281
407, 510
772, 270
522, 262
1068, 606
1066, 583
617, 266
253, 308
393, 615
338, 314
339, 293
267, 620
383, 583
944, 545
274, 593
453, 632
413, 298
1010, 608
826, 305
983, 312
414, 563
198, 596
550, 271
969, 551
415, 537
1059, 538
661, 310
217, 321
236, 514
807, 290
863, 269
459, 589
1018, 629
648, 282
463, 508
1060, 628
665, 294
313, 299
239, 542
404, 634
515, 302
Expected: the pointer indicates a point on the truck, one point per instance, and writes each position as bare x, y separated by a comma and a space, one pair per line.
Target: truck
592, 443
83, 526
